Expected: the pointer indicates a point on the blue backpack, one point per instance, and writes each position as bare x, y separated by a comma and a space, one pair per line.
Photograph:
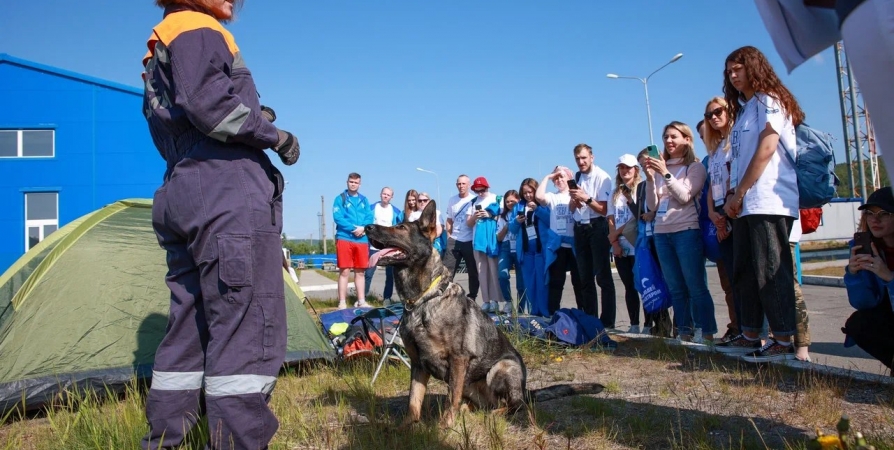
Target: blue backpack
815, 167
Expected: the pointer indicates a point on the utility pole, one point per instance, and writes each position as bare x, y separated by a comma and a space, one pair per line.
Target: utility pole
323, 224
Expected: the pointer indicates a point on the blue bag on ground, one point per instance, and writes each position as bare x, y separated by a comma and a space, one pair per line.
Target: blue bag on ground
576, 327
647, 276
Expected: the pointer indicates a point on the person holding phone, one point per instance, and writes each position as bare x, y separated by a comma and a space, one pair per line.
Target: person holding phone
869, 279
531, 222
558, 245
590, 192
482, 220
622, 209
673, 184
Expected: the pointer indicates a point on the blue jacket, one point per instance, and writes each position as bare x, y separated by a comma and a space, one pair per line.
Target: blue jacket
865, 290
398, 216
551, 244
542, 214
348, 213
485, 238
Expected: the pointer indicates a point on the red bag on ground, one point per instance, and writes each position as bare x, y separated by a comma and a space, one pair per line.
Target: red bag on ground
811, 219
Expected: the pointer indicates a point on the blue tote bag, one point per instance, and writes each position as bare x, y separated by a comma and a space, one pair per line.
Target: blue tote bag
647, 275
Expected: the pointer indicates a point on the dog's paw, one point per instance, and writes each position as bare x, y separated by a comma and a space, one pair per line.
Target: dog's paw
447, 420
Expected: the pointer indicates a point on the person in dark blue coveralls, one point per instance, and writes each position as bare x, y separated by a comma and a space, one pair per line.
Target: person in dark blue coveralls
218, 214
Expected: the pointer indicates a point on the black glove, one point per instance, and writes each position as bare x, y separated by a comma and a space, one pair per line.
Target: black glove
268, 113
287, 148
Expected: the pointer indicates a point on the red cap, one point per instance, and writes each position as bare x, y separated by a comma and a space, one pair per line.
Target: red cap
480, 183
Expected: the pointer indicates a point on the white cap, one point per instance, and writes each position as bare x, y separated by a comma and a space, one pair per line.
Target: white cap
627, 160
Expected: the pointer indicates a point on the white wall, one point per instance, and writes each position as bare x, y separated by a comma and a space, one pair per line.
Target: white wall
840, 220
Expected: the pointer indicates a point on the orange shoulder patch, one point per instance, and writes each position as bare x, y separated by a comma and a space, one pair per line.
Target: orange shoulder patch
181, 22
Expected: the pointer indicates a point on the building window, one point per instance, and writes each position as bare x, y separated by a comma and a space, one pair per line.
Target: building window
27, 143
41, 216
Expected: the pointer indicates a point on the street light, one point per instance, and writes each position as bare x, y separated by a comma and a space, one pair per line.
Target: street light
645, 82
437, 182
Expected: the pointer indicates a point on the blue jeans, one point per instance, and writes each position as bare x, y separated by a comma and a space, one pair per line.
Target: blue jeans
682, 260
533, 267
508, 261
389, 279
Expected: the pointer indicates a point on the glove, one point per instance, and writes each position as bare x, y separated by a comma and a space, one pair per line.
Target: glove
268, 113
287, 148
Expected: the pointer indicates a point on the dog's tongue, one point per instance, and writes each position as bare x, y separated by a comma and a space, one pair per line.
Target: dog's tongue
374, 259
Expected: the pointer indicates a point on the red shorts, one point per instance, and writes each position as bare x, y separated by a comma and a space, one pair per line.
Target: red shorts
351, 255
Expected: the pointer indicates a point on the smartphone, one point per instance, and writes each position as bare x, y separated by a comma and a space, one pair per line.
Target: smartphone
864, 240
478, 207
653, 152
572, 184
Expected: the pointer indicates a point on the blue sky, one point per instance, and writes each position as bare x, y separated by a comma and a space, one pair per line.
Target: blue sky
503, 89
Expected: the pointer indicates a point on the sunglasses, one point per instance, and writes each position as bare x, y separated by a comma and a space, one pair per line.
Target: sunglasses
880, 215
714, 112
422, 200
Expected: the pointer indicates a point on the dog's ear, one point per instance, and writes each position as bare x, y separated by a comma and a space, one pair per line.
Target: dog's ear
428, 221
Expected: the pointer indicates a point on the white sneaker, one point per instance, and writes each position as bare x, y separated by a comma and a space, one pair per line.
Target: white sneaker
634, 329
486, 307
361, 304
646, 330
507, 307
698, 339
342, 305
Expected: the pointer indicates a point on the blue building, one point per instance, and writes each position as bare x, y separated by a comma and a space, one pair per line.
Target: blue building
69, 144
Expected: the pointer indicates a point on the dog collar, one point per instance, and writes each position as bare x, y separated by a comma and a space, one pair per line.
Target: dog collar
430, 287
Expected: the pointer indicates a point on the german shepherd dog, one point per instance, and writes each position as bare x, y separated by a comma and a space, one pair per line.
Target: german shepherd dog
446, 334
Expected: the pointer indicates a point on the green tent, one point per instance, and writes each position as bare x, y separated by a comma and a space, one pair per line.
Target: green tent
87, 308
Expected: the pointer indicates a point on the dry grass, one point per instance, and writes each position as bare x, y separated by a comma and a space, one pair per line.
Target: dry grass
657, 396
823, 245
826, 271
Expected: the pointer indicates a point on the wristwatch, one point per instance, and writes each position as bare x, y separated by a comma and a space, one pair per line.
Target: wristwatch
667, 176
589, 200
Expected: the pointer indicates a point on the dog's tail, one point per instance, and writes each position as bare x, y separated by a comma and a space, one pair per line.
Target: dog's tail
563, 390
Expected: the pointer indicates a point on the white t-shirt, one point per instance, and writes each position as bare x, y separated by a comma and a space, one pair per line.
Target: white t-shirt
622, 214
487, 200
596, 184
384, 216
776, 190
455, 206
560, 219
510, 236
718, 171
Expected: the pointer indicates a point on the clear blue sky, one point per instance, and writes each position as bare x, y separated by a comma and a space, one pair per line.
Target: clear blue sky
503, 89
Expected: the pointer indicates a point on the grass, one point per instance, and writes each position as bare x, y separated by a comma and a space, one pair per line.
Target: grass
823, 245
657, 396
826, 271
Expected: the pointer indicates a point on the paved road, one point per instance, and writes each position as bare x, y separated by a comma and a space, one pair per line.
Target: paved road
827, 307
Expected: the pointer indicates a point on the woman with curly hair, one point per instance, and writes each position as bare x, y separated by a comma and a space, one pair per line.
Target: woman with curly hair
763, 202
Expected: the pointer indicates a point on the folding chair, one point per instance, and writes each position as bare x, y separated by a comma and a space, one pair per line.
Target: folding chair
391, 346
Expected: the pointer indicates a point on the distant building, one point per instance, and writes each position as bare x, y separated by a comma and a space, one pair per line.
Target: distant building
69, 144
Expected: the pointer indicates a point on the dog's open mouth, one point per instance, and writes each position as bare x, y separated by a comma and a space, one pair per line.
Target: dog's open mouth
386, 256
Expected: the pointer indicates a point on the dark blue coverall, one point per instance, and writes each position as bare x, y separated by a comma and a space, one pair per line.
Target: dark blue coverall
219, 217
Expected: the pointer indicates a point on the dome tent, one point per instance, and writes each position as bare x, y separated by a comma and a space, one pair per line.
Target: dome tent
87, 307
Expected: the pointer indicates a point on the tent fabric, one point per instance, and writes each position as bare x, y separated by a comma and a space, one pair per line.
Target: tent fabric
87, 308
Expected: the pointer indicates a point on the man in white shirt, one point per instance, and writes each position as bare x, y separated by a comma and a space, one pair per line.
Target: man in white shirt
459, 244
590, 204
388, 215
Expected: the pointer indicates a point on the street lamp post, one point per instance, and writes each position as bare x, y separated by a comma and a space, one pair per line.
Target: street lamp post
437, 182
645, 82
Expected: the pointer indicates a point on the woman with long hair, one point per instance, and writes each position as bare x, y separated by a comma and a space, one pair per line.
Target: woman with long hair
715, 134
763, 201
622, 209
868, 276
530, 224
673, 184
410, 205
509, 254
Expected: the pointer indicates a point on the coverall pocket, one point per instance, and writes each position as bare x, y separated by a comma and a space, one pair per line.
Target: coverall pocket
273, 341
235, 259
